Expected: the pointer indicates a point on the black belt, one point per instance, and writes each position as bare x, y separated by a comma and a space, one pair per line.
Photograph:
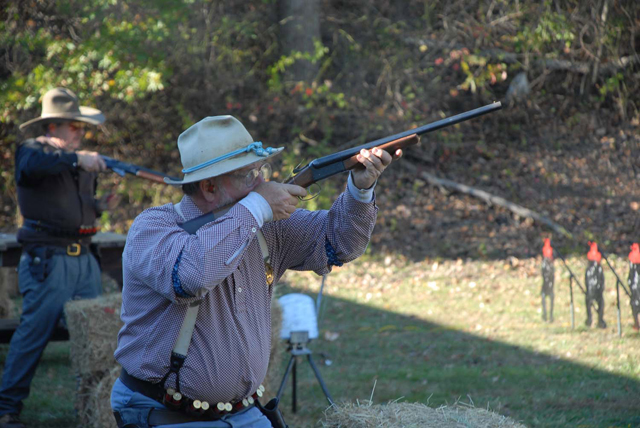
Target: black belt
148, 389
39, 226
156, 392
74, 249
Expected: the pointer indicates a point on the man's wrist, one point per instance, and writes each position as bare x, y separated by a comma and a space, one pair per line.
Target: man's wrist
362, 195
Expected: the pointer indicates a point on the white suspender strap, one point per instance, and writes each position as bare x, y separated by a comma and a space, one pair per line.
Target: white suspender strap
186, 331
263, 247
188, 324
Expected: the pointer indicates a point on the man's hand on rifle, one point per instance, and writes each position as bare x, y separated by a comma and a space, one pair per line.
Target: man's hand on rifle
375, 161
91, 161
282, 198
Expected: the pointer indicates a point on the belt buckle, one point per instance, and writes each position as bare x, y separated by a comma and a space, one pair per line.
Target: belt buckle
74, 249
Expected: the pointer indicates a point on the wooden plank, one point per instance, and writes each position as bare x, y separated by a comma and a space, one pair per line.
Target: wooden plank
8, 327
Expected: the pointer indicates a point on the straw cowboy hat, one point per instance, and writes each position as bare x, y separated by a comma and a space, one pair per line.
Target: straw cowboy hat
60, 104
215, 146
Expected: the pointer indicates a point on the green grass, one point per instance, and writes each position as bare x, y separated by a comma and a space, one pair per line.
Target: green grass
460, 331
470, 332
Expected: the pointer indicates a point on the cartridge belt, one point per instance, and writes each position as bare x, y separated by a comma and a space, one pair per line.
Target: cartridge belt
191, 410
39, 226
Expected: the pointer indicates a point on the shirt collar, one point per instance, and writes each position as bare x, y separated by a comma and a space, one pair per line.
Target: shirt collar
189, 209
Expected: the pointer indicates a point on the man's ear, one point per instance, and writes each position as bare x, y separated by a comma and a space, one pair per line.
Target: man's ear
209, 190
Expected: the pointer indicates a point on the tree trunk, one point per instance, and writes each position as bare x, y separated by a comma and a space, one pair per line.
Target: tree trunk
299, 26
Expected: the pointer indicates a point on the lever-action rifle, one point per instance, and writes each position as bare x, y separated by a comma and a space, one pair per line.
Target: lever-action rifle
333, 164
345, 160
122, 168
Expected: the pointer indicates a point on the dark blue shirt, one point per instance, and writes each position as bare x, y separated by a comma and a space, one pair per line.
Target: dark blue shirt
52, 190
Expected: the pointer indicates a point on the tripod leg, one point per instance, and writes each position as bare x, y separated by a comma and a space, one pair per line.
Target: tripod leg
284, 377
294, 381
320, 381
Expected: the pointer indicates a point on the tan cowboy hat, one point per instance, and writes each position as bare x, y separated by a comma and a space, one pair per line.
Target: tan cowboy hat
215, 146
60, 104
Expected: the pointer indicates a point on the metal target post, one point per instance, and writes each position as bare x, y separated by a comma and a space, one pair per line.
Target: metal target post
571, 278
573, 322
618, 283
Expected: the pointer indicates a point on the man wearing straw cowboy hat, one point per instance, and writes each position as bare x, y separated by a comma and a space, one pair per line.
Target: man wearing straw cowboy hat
56, 185
197, 289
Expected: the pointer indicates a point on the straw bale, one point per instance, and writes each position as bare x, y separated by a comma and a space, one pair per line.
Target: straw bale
85, 385
413, 415
9, 281
93, 332
7, 307
100, 401
278, 352
109, 285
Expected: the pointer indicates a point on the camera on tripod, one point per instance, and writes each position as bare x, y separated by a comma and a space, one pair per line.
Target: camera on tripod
299, 327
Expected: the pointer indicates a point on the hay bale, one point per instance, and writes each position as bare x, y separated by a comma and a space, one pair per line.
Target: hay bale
7, 307
93, 335
394, 414
9, 281
85, 386
8, 289
99, 407
93, 332
278, 352
109, 285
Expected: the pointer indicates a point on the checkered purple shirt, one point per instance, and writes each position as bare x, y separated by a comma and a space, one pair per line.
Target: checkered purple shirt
222, 263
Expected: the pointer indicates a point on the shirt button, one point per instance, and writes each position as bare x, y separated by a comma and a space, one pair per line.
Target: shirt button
239, 289
253, 229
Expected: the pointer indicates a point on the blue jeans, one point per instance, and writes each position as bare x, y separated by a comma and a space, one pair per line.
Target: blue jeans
67, 278
134, 408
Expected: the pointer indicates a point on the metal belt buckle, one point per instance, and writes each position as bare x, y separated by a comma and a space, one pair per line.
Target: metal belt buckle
74, 249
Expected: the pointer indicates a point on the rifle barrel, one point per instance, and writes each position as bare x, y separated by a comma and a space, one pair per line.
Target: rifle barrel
345, 154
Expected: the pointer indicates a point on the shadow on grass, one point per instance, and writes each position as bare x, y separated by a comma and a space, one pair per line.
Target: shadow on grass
414, 360
419, 361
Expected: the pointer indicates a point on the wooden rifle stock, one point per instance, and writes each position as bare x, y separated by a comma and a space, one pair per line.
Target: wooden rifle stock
150, 176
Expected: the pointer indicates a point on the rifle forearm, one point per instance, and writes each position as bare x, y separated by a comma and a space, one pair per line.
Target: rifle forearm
312, 174
391, 147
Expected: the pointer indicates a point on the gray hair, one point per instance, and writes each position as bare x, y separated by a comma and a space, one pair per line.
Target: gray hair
191, 189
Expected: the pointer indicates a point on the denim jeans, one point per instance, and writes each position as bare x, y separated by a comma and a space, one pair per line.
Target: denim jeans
44, 296
134, 408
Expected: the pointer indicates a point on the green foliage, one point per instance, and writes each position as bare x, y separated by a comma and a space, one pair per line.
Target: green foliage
551, 30
612, 85
276, 70
113, 50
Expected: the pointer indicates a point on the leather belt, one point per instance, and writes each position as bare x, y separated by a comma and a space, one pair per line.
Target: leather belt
148, 389
181, 414
74, 249
39, 226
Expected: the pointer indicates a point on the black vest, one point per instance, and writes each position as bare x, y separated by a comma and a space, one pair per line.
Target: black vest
62, 200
